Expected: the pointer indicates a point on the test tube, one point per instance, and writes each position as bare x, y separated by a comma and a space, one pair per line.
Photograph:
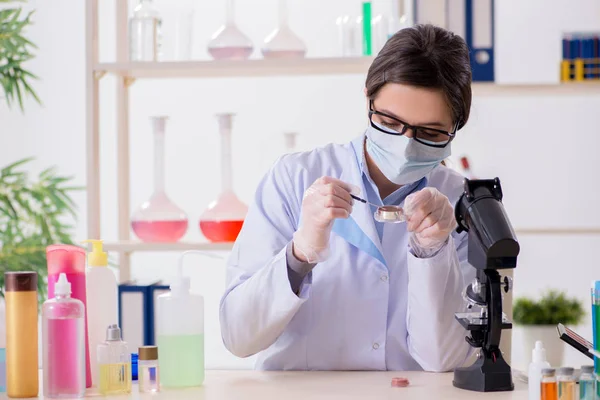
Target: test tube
566, 383
549, 390
587, 383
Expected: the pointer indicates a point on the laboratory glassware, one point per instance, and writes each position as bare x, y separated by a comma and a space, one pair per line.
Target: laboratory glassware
148, 372
145, 35
101, 306
114, 362
158, 219
283, 42
224, 217
587, 383
177, 23
63, 343
393, 214
70, 260
566, 383
21, 299
180, 333
549, 388
2, 370
349, 35
229, 42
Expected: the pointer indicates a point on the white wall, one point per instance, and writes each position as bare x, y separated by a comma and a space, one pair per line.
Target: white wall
543, 148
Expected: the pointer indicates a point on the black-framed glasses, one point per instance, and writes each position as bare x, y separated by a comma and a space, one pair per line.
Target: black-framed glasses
394, 126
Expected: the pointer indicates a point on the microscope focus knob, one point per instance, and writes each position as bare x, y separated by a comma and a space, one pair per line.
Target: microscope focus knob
507, 284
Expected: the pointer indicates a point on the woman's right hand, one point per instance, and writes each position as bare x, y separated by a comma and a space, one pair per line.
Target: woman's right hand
324, 201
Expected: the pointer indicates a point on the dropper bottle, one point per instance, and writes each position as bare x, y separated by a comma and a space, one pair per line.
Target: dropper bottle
180, 333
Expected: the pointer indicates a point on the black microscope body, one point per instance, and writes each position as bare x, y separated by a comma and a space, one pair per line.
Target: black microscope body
492, 246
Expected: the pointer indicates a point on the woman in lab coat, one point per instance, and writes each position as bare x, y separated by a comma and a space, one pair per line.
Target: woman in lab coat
314, 282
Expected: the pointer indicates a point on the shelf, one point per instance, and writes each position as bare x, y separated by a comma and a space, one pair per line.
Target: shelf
134, 246
246, 68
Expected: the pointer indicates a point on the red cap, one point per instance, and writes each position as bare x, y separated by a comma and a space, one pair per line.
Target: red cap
464, 161
64, 258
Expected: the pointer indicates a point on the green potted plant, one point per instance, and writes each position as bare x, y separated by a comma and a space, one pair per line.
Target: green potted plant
537, 320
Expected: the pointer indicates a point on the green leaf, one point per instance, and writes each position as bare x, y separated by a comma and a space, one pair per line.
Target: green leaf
554, 307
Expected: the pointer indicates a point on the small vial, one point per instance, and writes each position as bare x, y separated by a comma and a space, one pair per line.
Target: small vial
2, 370
549, 390
566, 383
587, 383
148, 376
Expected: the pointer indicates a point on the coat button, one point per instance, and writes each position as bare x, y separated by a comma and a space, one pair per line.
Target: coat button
375, 346
384, 278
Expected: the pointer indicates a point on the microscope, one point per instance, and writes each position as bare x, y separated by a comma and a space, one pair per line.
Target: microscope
492, 247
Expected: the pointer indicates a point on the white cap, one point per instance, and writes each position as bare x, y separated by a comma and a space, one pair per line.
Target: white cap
62, 286
538, 354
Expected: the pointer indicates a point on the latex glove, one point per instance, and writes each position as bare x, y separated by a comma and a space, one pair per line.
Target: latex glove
430, 218
324, 201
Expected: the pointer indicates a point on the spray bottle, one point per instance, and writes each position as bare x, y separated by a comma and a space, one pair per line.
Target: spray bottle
102, 301
180, 334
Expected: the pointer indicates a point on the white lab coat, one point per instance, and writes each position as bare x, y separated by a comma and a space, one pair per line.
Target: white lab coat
372, 305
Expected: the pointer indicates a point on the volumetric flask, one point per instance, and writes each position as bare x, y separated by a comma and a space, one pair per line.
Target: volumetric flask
145, 32
229, 43
158, 219
224, 217
283, 42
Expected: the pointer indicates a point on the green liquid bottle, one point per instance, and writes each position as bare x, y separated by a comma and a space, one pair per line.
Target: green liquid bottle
180, 336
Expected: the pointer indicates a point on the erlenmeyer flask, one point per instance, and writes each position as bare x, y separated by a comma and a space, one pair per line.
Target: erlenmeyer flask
229, 43
158, 219
223, 219
283, 42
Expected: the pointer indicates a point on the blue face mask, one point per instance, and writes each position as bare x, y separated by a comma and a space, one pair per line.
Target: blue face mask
403, 160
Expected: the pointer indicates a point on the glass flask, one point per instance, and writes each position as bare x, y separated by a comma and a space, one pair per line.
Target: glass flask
283, 42
145, 32
228, 42
349, 35
158, 219
177, 23
223, 219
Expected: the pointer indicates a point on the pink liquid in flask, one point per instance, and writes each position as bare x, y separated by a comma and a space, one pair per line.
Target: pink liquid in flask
221, 231
70, 260
160, 231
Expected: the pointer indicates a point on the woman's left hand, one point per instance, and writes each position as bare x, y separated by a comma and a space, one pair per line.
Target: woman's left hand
430, 218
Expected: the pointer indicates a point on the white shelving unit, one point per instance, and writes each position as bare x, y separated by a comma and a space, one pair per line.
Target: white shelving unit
127, 72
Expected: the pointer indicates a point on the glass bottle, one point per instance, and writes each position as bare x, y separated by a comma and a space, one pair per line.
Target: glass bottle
566, 383
145, 36
228, 42
159, 219
149, 377
283, 42
224, 217
349, 35
549, 390
114, 362
587, 383
63, 343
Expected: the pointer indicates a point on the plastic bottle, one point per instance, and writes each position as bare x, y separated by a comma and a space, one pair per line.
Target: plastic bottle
63, 333
114, 361
102, 301
538, 363
180, 337
70, 260
21, 334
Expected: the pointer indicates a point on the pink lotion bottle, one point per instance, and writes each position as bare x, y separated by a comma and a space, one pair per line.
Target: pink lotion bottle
63, 343
70, 260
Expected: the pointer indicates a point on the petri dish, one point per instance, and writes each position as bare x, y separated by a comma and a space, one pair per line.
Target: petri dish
392, 214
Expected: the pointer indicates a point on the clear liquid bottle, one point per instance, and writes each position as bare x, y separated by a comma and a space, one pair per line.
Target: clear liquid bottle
114, 362
283, 42
587, 383
149, 376
229, 42
70, 260
63, 343
102, 298
180, 334
549, 387
158, 219
224, 217
145, 32
566, 383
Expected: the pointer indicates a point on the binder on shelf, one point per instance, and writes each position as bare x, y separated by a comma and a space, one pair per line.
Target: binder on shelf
471, 19
137, 311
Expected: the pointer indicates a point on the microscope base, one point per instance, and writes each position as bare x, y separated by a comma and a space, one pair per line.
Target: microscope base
485, 375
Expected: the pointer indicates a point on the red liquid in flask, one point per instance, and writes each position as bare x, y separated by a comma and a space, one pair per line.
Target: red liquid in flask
221, 231
160, 231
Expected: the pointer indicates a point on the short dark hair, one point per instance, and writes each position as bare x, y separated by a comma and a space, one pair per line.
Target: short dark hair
426, 56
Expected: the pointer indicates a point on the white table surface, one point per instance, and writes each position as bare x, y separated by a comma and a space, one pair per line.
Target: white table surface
251, 385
